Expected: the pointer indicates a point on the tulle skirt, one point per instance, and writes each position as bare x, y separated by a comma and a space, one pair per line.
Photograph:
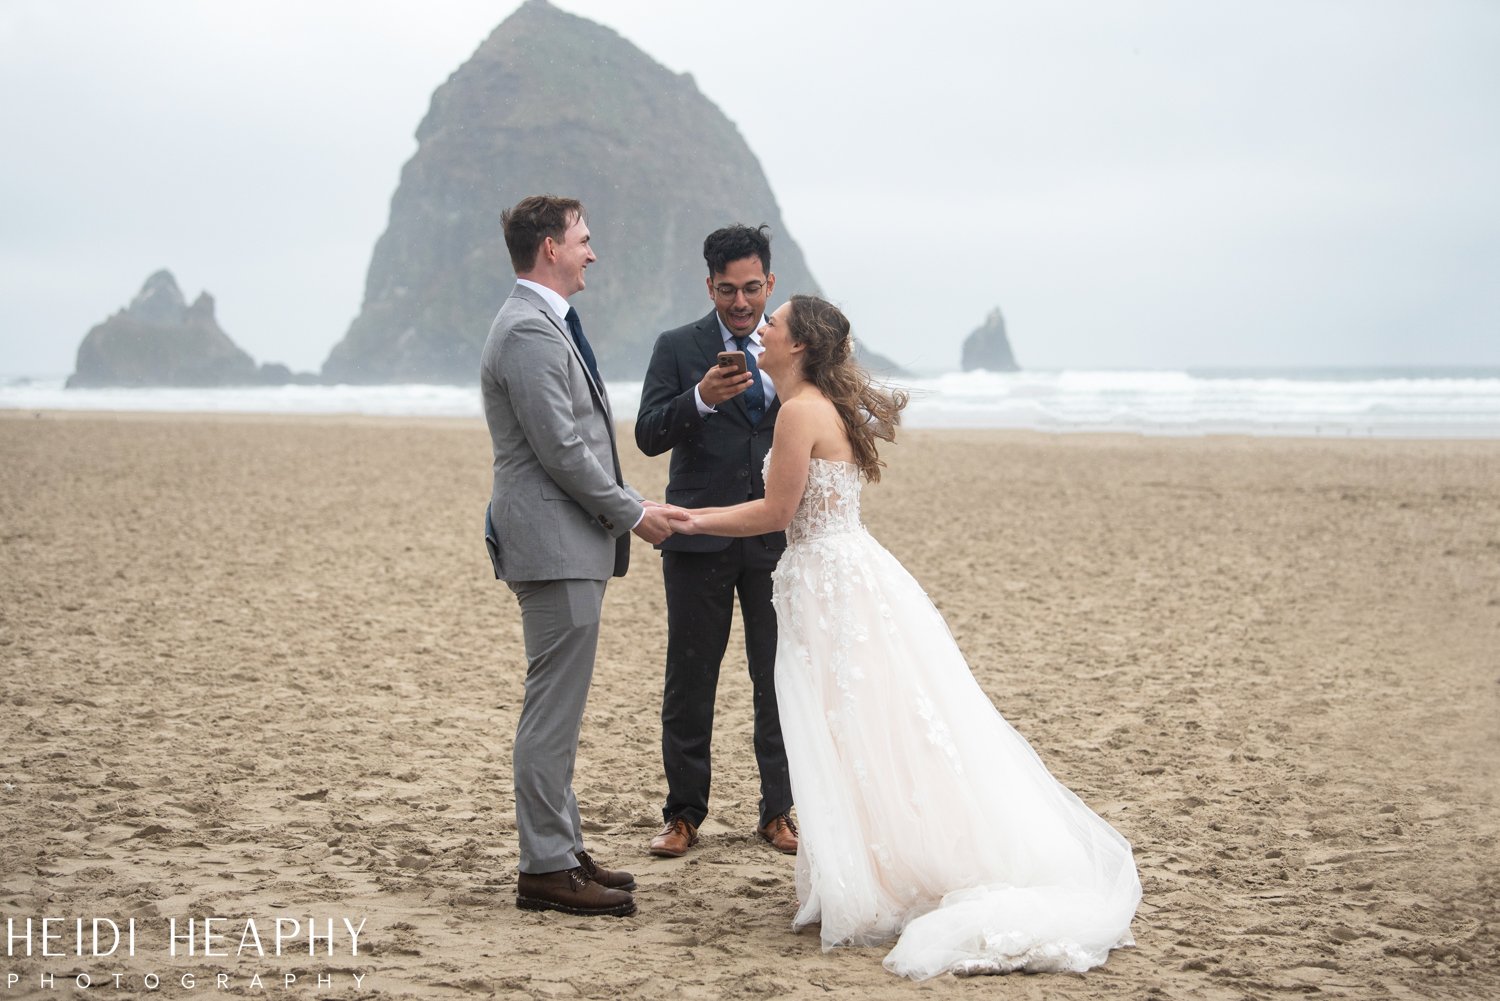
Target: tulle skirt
923, 813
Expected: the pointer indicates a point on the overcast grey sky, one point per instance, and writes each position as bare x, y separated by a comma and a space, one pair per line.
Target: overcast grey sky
1168, 184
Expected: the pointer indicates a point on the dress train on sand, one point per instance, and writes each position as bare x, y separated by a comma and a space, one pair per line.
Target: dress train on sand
923, 813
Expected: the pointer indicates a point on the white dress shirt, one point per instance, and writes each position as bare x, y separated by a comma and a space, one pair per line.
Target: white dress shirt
558, 304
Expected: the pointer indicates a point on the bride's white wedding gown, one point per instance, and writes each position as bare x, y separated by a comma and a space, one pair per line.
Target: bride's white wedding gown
923, 813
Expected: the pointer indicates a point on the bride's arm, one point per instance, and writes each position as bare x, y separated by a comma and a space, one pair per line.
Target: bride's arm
785, 481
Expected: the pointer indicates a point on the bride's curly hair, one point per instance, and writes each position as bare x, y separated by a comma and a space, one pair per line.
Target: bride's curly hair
867, 410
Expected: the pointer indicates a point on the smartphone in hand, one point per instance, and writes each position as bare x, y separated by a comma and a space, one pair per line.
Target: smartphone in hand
732, 361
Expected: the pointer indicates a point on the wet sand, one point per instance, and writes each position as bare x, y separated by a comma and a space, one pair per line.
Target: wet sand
257, 667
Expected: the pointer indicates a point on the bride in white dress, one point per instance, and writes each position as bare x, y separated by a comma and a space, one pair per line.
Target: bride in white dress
923, 813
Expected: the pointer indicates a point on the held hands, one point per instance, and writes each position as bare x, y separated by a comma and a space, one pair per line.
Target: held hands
687, 523
719, 384
659, 521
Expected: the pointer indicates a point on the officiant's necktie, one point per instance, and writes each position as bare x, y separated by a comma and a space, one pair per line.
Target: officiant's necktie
575, 327
755, 396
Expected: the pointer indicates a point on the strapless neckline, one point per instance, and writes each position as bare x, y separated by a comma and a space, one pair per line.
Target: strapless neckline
829, 502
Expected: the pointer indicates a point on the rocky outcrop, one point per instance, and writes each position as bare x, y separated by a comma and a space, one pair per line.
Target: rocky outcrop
553, 103
160, 340
988, 347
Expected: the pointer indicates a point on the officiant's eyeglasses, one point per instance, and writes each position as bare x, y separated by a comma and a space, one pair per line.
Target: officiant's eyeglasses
728, 292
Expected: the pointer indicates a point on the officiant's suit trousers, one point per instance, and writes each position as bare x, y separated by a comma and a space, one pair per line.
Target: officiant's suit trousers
701, 591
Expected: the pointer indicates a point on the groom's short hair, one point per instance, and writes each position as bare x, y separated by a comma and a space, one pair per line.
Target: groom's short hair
725, 246
532, 220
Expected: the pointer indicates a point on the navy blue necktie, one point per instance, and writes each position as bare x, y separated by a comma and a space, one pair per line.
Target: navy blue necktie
575, 327
755, 396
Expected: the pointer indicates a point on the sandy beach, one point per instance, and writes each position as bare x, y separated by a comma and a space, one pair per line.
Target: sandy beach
258, 668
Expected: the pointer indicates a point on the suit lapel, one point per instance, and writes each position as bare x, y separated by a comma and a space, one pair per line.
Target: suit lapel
710, 340
597, 389
562, 330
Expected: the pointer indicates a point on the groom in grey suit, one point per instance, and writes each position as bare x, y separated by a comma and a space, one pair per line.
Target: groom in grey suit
558, 528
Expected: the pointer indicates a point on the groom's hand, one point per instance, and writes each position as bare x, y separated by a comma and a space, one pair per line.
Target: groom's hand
656, 522
719, 384
682, 521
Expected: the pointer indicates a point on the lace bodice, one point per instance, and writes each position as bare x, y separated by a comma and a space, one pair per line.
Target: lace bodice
830, 503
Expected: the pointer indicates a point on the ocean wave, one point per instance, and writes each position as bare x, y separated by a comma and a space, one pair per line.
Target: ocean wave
1147, 402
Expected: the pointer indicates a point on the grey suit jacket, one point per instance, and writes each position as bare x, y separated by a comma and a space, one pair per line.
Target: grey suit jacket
559, 506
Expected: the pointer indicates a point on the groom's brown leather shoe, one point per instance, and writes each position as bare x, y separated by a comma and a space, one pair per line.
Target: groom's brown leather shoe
782, 834
675, 839
615, 879
572, 892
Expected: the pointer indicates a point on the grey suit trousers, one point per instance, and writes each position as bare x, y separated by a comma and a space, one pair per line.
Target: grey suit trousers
560, 619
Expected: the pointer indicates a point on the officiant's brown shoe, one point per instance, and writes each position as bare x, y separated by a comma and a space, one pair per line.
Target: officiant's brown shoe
615, 879
782, 834
572, 892
675, 839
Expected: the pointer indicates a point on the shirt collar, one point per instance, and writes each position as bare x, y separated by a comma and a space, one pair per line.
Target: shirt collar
555, 302
728, 335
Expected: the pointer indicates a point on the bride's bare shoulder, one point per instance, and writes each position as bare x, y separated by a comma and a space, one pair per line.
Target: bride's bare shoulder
808, 399
809, 408
814, 416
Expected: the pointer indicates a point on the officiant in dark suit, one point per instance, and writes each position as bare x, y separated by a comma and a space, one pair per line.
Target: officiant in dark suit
718, 424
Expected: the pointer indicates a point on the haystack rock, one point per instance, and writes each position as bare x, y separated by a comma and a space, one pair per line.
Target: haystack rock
159, 340
553, 103
988, 347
